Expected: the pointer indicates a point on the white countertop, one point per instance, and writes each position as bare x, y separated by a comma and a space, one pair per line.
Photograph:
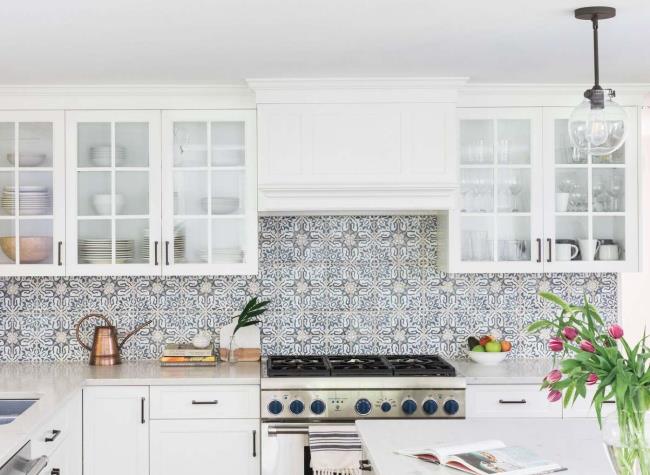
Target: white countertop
573, 443
510, 371
55, 383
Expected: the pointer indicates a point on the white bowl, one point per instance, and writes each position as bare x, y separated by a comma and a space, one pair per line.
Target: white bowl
487, 358
102, 204
27, 159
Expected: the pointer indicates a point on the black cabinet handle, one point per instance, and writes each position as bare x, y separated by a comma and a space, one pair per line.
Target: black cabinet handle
55, 434
539, 250
254, 443
155, 253
364, 466
166, 253
205, 403
142, 421
55, 471
550, 250
59, 248
505, 401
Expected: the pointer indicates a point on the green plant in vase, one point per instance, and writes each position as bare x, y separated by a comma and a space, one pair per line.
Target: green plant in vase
595, 354
246, 318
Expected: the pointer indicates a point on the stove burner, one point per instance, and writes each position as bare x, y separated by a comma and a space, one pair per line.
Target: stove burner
297, 366
359, 366
420, 365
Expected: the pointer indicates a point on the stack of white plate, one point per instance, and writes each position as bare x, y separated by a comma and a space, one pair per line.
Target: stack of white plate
221, 205
33, 200
100, 155
98, 251
226, 255
179, 245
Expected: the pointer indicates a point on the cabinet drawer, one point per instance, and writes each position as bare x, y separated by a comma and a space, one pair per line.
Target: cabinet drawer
204, 402
47, 438
582, 407
510, 401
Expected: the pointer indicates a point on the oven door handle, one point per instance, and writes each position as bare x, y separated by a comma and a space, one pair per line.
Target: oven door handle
283, 430
36, 466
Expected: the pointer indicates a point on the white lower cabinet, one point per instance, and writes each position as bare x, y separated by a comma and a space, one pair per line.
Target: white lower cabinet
116, 430
511, 400
228, 446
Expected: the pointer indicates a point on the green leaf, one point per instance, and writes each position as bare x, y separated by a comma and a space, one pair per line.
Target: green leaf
539, 325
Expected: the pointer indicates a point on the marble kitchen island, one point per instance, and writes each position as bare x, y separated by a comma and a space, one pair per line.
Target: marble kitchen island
575, 444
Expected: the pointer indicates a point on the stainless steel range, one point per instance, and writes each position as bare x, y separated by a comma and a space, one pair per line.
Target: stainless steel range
299, 391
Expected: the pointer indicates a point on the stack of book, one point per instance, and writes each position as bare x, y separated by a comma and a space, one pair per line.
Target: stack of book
184, 354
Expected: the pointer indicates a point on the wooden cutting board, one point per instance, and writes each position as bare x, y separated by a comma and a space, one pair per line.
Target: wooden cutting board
248, 341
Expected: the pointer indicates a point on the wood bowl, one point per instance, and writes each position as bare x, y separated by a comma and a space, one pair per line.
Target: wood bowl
33, 249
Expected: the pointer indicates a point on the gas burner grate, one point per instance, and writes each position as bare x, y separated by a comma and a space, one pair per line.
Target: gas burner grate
359, 366
297, 366
420, 365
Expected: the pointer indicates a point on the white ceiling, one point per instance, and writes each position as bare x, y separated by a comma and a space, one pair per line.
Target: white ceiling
225, 41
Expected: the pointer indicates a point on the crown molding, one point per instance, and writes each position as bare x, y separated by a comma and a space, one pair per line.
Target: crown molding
356, 90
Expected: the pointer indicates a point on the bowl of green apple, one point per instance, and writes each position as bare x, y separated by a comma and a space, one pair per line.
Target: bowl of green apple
488, 350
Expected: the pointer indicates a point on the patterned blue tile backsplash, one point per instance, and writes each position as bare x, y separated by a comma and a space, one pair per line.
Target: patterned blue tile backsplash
338, 284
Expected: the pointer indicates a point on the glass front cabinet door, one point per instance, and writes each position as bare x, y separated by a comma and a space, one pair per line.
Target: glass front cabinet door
209, 192
32, 201
500, 190
113, 192
591, 202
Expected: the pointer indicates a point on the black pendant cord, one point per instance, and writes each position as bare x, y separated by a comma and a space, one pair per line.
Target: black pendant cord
594, 21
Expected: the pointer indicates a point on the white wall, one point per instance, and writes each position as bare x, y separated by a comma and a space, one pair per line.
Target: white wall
635, 288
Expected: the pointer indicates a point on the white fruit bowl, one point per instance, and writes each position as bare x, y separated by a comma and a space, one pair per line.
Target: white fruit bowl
487, 358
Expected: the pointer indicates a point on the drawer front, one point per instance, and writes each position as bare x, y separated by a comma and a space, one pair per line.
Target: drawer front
510, 401
47, 438
582, 407
204, 402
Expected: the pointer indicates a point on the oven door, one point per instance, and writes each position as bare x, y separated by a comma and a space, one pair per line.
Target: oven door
285, 448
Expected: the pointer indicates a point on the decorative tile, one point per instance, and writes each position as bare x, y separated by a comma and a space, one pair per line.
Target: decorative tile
337, 284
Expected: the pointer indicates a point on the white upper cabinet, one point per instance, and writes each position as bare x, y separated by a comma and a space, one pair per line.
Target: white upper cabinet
209, 192
529, 202
32, 208
113, 192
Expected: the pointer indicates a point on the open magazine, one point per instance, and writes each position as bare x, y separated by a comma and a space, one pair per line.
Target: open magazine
486, 457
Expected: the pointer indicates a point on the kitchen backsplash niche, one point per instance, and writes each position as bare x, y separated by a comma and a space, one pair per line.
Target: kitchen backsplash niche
337, 284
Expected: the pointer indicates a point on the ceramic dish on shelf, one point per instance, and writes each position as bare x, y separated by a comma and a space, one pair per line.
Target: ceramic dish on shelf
99, 251
27, 159
233, 255
100, 155
33, 249
33, 200
221, 205
102, 203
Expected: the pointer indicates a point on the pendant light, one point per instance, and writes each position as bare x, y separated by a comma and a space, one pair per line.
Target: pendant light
598, 125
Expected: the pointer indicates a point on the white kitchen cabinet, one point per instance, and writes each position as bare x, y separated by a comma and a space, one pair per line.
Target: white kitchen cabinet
228, 446
209, 198
116, 430
529, 202
32, 201
113, 192
509, 400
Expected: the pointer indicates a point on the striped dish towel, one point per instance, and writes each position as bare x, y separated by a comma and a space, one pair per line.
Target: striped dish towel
335, 450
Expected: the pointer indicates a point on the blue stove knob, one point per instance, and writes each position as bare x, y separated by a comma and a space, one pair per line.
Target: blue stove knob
451, 407
317, 407
386, 406
275, 407
430, 406
363, 407
409, 406
296, 406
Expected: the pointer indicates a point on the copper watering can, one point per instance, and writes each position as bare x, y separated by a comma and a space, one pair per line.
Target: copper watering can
105, 350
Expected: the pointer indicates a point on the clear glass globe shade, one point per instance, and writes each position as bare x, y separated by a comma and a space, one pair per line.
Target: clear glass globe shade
598, 131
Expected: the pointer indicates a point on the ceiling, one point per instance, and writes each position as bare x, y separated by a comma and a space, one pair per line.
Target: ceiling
225, 41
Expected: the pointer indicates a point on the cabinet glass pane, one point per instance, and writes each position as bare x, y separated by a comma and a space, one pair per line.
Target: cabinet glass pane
565, 152
131, 192
513, 142
513, 190
477, 188
618, 157
228, 246
95, 243
9, 194
513, 238
571, 190
7, 241
609, 232
132, 144
35, 193
227, 193
191, 193
227, 144
608, 190
476, 142
94, 196
35, 144
94, 147
190, 144
131, 243
477, 238
7, 140
36, 241
571, 237
191, 240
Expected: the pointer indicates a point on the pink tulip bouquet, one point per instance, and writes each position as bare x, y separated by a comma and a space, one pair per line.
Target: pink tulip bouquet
595, 354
